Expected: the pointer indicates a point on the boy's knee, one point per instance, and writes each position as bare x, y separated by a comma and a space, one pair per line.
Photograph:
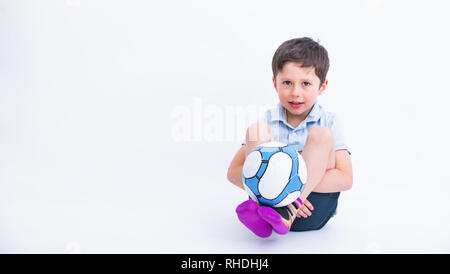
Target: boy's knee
259, 132
320, 134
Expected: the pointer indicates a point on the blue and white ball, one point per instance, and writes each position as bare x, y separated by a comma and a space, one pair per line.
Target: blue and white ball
274, 174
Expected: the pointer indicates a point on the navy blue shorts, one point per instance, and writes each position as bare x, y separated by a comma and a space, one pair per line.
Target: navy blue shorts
324, 204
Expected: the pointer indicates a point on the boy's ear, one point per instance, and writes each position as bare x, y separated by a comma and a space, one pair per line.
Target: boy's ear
274, 83
323, 86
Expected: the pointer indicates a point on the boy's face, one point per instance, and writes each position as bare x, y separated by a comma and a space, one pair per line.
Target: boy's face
297, 89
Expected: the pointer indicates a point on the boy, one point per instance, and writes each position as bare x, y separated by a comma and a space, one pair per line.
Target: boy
299, 70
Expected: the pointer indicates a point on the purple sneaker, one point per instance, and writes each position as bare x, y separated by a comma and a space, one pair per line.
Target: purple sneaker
248, 215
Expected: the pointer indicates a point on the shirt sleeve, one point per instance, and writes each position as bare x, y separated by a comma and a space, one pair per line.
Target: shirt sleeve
340, 140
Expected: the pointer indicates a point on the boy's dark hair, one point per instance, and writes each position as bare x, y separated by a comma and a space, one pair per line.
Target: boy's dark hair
305, 51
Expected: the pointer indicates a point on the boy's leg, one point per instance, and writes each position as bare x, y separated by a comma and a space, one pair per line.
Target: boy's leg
247, 211
257, 133
319, 156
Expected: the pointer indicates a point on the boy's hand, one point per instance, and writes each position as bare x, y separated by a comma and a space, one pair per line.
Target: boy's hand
305, 209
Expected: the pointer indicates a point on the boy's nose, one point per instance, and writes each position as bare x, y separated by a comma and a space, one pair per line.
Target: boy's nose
297, 91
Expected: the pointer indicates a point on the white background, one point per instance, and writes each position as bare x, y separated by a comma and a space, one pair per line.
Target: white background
88, 161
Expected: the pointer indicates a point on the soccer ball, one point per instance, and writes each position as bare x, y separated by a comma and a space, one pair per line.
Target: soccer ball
274, 174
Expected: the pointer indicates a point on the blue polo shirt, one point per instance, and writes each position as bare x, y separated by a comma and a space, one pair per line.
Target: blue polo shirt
296, 137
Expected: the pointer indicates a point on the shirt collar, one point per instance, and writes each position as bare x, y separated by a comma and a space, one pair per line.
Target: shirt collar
279, 113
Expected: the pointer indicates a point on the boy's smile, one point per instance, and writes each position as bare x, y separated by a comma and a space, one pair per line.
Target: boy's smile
297, 88
295, 104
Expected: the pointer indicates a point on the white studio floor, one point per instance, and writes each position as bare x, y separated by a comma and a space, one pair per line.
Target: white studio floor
61, 201
138, 226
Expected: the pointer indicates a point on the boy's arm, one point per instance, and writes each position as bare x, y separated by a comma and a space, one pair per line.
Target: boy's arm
234, 174
339, 178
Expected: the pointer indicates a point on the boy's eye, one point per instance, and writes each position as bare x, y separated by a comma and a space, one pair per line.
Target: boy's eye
288, 83
306, 84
